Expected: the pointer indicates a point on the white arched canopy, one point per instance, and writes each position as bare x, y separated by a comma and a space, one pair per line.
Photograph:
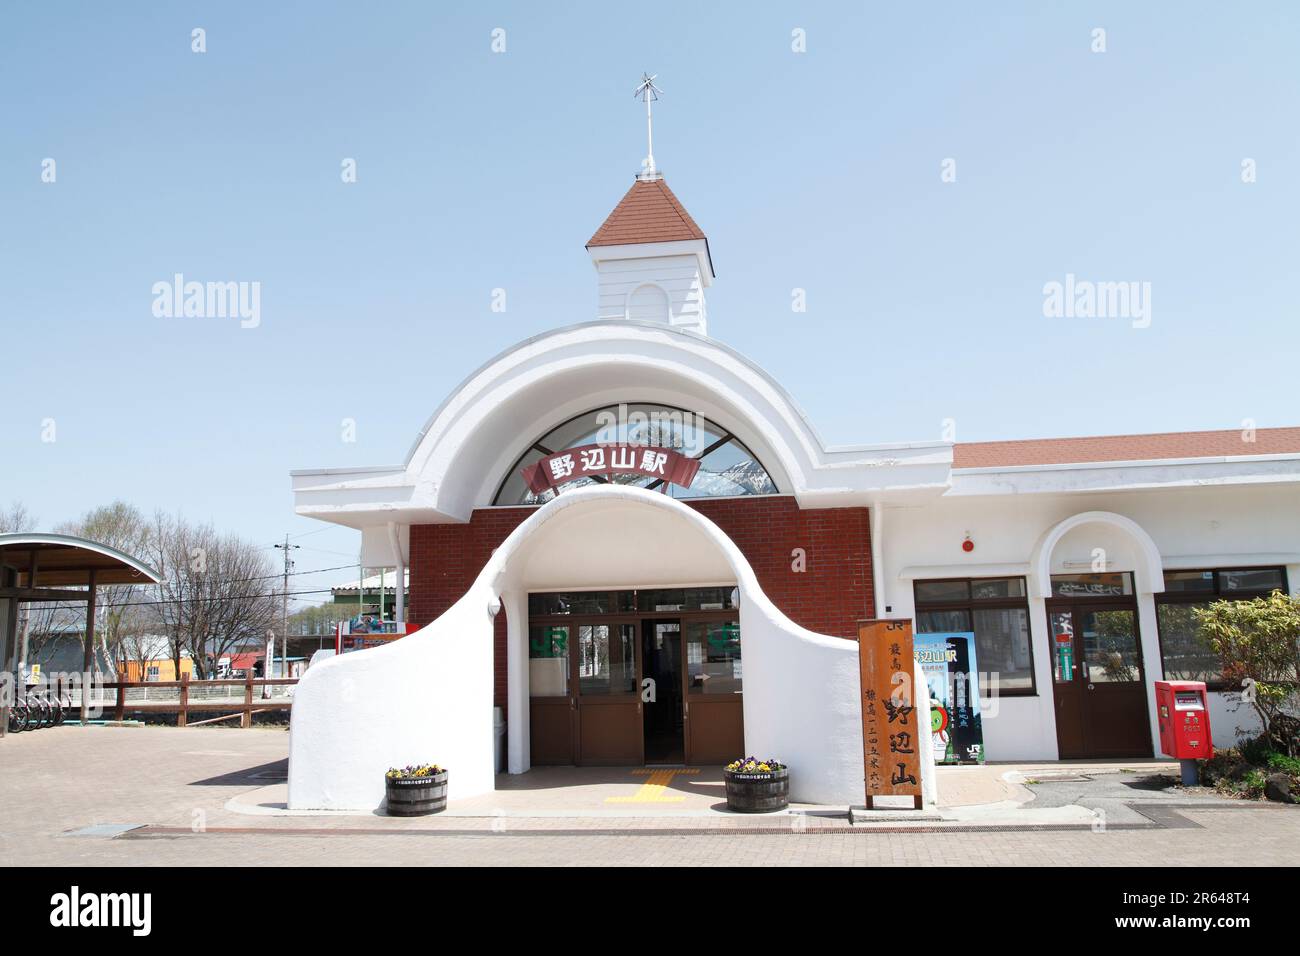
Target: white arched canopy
474, 438
1148, 570
480, 431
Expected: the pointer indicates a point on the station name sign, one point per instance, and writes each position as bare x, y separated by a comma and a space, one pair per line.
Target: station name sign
589, 461
891, 753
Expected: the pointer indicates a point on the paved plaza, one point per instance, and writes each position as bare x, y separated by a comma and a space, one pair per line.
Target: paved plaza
143, 796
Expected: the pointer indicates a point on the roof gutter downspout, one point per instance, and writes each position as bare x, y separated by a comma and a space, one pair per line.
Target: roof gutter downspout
399, 585
877, 528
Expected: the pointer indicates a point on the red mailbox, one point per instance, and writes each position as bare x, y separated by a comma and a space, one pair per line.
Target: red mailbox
1184, 719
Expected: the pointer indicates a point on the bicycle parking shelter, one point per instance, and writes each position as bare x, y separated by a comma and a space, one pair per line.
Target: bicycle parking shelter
37, 567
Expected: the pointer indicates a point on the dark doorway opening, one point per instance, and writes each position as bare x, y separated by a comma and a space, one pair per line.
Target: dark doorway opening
661, 660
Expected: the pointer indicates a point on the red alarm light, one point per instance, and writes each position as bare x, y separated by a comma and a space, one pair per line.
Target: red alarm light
968, 545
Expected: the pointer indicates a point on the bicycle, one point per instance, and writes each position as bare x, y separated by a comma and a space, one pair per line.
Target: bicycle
62, 703
38, 711
18, 716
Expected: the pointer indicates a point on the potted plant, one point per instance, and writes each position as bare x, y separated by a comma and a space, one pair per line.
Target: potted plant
757, 786
416, 790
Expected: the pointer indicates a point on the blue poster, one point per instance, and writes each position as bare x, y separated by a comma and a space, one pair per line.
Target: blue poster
948, 663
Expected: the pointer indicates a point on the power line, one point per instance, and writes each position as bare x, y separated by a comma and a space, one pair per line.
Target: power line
341, 554
217, 600
236, 597
245, 580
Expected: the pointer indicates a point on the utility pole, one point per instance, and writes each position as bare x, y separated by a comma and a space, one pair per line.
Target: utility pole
284, 628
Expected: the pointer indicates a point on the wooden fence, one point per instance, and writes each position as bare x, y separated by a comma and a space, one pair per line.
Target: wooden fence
184, 706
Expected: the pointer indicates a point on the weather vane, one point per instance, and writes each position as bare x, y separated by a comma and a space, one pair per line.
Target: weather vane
648, 92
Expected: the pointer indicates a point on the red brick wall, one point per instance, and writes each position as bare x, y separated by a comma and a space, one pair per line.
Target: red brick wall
830, 597
835, 592
445, 559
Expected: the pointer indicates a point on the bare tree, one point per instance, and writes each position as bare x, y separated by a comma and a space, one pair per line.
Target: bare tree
121, 617
319, 620
17, 518
218, 592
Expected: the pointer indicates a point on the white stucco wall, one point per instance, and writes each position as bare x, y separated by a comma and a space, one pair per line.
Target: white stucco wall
429, 696
425, 698
1188, 527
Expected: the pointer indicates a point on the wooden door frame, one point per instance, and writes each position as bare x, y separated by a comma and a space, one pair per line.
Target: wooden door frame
738, 699
1117, 602
683, 680
570, 698
615, 619
650, 620
575, 685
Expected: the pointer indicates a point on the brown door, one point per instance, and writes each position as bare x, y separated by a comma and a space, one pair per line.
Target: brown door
713, 712
552, 712
608, 702
1098, 682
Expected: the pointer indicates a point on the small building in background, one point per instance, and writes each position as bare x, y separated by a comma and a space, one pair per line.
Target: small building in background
161, 669
366, 596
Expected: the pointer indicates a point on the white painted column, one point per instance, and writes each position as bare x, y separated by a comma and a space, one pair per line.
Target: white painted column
399, 560
877, 557
1040, 642
1152, 663
518, 741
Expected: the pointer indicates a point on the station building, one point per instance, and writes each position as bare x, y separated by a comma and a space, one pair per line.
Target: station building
626, 503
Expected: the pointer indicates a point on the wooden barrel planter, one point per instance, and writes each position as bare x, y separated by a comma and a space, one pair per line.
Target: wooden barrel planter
760, 792
416, 796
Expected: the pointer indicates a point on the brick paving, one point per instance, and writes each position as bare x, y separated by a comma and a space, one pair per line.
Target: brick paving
175, 785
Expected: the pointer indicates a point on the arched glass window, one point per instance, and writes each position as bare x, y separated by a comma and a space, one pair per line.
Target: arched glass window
727, 467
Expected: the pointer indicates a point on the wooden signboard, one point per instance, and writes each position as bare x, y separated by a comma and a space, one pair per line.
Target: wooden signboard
891, 750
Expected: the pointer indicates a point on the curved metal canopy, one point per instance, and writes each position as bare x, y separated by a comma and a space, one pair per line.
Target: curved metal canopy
63, 560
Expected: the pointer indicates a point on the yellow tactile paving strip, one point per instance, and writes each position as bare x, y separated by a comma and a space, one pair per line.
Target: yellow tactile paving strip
658, 780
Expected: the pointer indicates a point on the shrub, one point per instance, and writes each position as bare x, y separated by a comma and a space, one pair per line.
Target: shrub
1284, 764
1259, 644
1242, 771
1252, 785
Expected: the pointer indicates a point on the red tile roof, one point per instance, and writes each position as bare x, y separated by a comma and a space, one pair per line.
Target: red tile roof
1059, 451
244, 662
648, 213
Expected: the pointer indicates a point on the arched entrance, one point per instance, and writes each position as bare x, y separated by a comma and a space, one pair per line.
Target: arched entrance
625, 626
429, 696
1096, 571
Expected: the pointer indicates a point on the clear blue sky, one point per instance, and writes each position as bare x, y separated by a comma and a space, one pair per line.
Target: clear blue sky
479, 170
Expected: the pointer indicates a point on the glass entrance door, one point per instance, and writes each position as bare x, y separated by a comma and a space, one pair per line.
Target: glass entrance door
1098, 682
715, 724
632, 677
551, 706
608, 704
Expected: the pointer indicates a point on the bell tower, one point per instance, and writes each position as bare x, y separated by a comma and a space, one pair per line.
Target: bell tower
652, 261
